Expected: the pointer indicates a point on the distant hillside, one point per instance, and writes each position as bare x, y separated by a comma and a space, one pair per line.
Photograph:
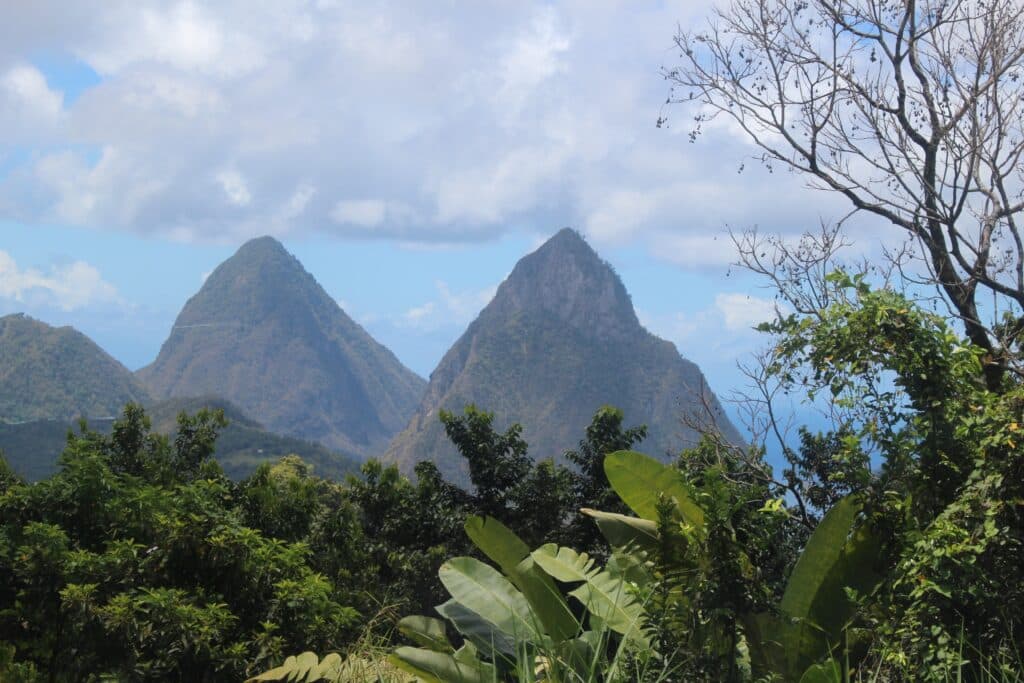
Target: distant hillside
57, 373
559, 340
262, 333
32, 448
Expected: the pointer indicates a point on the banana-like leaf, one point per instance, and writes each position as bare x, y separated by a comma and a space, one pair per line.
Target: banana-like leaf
512, 556
605, 596
827, 672
426, 632
305, 668
440, 667
482, 589
832, 608
766, 643
822, 552
836, 557
815, 607
783, 646
564, 564
482, 634
639, 480
496, 541
623, 531
631, 566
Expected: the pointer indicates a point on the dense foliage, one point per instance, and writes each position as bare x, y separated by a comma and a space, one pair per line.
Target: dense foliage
136, 561
889, 549
139, 559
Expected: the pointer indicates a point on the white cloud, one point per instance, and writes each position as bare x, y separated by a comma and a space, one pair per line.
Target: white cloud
27, 86
235, 188
298, 202
450, 309
416, 316
743, 311
30, 110
490, 194
696, 250
534, 57
620, 214
723, 329
400, 121
182, 35
159, 93
67, 287
365, 213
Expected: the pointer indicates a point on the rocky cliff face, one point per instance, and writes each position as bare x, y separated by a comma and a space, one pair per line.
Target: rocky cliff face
559, 340
263, 334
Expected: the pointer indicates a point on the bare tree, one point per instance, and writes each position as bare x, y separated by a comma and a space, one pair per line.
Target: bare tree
910, 109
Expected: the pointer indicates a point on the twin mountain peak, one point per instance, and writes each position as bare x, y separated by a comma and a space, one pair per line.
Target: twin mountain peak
559, 339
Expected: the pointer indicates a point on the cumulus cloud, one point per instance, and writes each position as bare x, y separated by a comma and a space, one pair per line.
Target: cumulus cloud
449, 309
400, 121
27, 86
30, 110
534, 57
66, 287
743, 311
366, 213
724, 329
234, 186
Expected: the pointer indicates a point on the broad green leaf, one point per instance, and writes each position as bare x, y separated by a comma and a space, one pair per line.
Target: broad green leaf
623, 531
827, 672
564, 564
497, 542
639, 480
781, 646
605, 596
823, 551
305, 668
427, 632
482, 589
509, 552
439, 667
479, 632
630, 566
832, 609
766, 649
833, 560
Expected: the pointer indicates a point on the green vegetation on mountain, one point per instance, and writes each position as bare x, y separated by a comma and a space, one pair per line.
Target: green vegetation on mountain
559, 340
32, 449
263, 334
57, 373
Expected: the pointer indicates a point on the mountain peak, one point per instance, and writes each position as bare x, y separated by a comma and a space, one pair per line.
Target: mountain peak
263, 256
262, 246
58, 373
567, 238
559, 340
567, 278
263, 333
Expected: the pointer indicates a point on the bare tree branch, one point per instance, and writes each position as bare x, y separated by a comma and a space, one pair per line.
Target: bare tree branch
911, 109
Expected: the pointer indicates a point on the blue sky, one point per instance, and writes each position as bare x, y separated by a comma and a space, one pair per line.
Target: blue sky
407, 153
